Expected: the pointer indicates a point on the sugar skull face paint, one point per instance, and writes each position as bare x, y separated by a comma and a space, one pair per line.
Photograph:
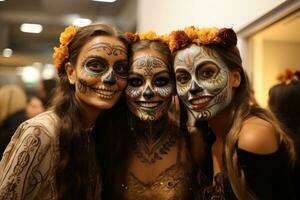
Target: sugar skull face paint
202, 81
101, 72
149, 91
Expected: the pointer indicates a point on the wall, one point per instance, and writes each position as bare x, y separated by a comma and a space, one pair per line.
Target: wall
166, 15
277, 56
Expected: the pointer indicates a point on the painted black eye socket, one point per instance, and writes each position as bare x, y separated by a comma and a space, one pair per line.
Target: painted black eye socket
121, 69
135, 82
207, 71
161, 81
183, 77
95, 65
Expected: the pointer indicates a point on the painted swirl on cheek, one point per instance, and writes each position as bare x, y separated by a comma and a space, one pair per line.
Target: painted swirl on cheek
222, 97
182, 90
133, 92
164, 91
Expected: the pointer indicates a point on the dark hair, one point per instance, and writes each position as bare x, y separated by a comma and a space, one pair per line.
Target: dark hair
74, 179
284, 103
48, 86
114, 140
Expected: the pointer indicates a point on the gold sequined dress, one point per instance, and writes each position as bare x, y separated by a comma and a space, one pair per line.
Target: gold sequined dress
174, 183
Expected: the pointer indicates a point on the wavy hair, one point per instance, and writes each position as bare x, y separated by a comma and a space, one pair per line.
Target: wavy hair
77, 171
242, 107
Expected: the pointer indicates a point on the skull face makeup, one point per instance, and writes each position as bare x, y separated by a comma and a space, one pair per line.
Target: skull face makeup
149, 91
101, 72
202, 81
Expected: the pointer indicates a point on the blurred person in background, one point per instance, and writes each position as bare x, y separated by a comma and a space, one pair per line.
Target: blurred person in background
284, 99
13, 103
34, 106
46, 90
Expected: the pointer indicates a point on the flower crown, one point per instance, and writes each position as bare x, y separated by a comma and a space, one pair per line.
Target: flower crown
289, 76
177, 40
150, 35
61, 53
224, 37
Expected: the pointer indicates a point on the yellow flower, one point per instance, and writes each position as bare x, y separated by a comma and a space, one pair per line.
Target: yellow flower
151, 35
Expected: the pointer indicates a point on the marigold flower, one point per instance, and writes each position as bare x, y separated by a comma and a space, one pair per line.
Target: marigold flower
132, 36
67, 35
61, 53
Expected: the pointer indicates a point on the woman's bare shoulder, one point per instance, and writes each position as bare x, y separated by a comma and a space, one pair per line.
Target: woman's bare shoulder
258, 136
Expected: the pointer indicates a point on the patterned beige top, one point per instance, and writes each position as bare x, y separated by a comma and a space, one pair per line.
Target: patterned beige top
27, 166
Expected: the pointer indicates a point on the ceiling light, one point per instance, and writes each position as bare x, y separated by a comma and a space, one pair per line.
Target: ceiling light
81, 22
108, 1
31, 28
30, 75
7, 52
2, 0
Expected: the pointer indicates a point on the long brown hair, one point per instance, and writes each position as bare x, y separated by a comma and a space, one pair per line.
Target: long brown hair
115, 143
77, 171
242, 107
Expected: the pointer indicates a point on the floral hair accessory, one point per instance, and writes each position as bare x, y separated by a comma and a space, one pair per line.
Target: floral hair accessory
150, 35
289, 76
61, 53
224, 37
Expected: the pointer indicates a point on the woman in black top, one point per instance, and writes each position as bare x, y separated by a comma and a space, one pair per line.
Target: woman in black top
247, 153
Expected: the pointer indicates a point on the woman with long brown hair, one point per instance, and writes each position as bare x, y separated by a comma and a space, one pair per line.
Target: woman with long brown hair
247, 154
52, 156
155, 162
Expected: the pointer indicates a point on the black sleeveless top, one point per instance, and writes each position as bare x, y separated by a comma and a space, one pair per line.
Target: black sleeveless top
267, 176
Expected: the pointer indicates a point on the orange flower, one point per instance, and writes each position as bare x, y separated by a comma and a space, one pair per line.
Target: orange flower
201, 36
67, 35
177, 40
132, 36
61, 53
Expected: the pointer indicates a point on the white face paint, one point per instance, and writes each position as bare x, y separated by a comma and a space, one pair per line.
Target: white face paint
149, 90
101, 72
202, 81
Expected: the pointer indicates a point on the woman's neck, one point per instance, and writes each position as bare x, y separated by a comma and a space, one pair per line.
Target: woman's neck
219, 124
152, 140
149, 131
89, 114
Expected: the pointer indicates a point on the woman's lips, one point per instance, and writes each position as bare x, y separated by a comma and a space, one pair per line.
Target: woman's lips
149, 104
200, 102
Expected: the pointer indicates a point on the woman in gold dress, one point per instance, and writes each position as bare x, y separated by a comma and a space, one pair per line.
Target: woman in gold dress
156, 163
